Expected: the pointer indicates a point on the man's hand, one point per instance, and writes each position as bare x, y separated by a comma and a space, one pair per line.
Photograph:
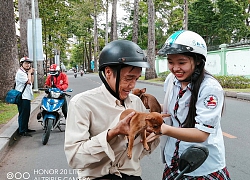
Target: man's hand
122, 127
31, 70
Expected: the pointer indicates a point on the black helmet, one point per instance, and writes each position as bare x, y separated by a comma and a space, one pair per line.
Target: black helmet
121, 52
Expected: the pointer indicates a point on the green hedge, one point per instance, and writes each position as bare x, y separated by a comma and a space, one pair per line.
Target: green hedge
234, 82
231, 82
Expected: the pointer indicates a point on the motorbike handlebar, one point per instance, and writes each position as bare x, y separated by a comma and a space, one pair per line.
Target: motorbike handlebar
67, 95
43, 89
63, 91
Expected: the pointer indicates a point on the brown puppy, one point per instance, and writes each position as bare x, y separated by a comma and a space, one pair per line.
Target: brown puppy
139, 123
149, 101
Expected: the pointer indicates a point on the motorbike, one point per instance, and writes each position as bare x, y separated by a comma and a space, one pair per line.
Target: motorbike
192, 158
51, 111
81, 73
75, 74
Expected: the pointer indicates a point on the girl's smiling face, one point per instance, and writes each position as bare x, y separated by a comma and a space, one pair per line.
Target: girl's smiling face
181, 66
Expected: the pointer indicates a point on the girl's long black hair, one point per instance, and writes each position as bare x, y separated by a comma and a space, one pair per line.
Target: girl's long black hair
196, 80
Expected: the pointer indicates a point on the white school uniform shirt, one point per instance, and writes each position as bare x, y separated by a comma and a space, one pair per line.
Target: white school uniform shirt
21, 79
208, 108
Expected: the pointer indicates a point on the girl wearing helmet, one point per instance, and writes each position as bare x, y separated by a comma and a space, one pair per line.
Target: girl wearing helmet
94, 136
24, 76
195, 103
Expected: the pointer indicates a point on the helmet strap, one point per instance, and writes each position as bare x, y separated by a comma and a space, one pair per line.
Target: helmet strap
117, 83
115, 94
58, 73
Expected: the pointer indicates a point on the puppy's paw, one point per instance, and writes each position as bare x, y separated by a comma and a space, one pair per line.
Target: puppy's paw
129, 155
146, 146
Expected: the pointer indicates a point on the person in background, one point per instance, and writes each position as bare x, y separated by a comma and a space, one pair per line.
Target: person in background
95, 142
81, 71
58, 79
195, 103
24, 76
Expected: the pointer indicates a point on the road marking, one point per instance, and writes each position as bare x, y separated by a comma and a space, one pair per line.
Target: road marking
229, 135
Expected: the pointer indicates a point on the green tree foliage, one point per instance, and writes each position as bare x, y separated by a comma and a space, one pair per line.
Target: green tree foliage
223, 21
77, 54
231, 21
55, 16
81, 24
203, 20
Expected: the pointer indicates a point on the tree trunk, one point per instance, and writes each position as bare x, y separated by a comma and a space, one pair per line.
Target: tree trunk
107, 22
185, 15
25, 13
8, 47
95, 37
113, 33
150, 72
135, 21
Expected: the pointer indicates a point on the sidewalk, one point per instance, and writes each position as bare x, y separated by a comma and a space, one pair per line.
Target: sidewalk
8, 133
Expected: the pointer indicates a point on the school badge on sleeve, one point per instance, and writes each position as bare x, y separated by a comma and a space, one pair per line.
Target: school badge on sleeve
211, 101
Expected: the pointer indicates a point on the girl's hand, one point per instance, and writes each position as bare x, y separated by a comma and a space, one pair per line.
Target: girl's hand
152, 137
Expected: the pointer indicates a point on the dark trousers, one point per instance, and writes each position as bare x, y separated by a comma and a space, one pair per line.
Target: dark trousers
114, 177
65, 107
24, 115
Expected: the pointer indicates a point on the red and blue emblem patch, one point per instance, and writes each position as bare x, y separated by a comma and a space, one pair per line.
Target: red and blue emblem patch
211, 101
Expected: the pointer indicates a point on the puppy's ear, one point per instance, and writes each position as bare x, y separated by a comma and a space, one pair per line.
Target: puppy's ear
165, 115
143, 90
148, 117
136, 92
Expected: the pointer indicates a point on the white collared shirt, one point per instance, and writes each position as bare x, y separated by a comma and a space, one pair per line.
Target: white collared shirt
90, 115
21, 79
208, 108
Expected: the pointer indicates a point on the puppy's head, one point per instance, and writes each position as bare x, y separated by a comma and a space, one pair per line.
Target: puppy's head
154, 121
138, 92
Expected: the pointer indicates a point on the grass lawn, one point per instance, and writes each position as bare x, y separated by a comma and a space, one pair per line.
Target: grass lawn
8, 111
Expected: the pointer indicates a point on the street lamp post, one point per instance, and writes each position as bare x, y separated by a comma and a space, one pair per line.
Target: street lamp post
34, 45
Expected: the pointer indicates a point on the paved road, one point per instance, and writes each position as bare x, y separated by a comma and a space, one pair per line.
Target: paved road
32, 160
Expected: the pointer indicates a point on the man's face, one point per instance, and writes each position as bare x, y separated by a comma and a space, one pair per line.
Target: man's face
26, 65
128, 77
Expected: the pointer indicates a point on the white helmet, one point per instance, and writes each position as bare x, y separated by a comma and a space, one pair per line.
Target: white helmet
54, 69
184, 41
26, 59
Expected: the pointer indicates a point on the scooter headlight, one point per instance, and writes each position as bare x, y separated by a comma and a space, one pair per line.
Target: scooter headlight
55, 94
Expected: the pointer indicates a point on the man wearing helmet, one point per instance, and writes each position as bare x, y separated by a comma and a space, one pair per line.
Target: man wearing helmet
195, 103
24, 79
95, 140
58, 79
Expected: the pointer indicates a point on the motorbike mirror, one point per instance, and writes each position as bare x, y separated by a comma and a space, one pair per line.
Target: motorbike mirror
69, 90
192, 158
